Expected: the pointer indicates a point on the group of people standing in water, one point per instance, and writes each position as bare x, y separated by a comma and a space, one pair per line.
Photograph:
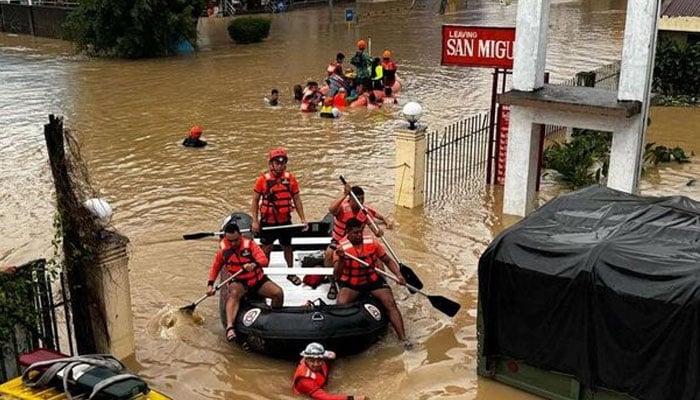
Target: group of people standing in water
371, 83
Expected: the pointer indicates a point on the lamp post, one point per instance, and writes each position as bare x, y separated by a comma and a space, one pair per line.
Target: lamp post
412, 112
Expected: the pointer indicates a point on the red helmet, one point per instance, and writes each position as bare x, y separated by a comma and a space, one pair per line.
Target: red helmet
361, 44
278, 153
196, 131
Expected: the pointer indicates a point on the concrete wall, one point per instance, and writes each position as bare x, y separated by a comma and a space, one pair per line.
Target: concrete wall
680, 24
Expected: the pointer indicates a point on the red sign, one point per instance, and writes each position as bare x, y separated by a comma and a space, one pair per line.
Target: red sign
474, 46
502, 143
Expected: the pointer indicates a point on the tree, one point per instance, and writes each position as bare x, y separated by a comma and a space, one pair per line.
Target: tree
133, 28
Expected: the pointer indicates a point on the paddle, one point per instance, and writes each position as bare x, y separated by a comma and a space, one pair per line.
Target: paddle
406, 271
200, 235
441, 303
189, 309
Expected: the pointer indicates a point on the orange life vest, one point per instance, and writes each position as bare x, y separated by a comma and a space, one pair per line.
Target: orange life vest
303, 371
344, 215
234, 262
389, 69
355, 273
277, 204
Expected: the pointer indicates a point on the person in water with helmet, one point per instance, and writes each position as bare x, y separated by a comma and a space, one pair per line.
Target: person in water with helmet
311, 375
377, 74
275, 195
362, 63
238, 253
356, 279
388, 69
193, 139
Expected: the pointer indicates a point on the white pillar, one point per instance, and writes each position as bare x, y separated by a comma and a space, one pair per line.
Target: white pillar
636, 74
530, 50
521, 162
410, 167
116, 296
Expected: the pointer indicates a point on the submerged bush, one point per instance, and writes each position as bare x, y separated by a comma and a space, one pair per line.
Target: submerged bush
246, 30
585, 159
132, 28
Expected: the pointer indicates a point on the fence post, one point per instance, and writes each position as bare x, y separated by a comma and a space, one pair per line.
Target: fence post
113, 278
585, 79
410, 167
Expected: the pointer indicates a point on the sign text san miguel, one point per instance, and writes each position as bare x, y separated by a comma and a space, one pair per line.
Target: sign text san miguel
474, 46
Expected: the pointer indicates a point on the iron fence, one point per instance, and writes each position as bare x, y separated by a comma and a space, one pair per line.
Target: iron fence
456, 153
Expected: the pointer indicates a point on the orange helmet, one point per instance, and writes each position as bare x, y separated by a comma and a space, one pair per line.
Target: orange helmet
279, 153
361, 44
196, 131
386, 54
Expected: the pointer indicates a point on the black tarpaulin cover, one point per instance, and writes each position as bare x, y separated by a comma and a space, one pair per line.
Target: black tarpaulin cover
602, 285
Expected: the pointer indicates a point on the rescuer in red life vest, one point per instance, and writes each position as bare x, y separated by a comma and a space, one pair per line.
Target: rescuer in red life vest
275, 195
311, 375
343, 208
236, 253
356, 279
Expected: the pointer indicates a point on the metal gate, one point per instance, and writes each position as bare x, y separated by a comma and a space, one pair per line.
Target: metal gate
456, 154
32, 315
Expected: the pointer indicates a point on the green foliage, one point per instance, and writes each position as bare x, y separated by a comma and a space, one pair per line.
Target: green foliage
585, 159
16, 305
656, 154
246, 30
676, 68
132, 28
582, 161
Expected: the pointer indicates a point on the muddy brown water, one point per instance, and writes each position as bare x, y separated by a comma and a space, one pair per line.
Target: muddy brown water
130, 117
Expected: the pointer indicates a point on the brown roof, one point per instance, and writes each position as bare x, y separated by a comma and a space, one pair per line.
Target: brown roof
680, 8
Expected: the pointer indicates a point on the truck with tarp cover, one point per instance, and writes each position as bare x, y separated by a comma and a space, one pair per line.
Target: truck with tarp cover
596, 295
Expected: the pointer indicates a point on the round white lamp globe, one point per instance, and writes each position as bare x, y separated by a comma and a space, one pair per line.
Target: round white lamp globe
412, 112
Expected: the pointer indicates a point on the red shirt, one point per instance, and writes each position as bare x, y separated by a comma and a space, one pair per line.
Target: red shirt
311, 383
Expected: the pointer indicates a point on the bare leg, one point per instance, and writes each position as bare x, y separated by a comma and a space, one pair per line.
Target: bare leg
387, 298
236, 291
328, 262
267, 249
289, 256
347, 295
272, 291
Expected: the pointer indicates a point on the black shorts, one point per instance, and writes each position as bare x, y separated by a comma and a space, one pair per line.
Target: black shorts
268, 237
370, 287
254, 289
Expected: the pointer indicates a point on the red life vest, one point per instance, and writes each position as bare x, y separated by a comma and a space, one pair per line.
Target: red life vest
344, 215
389, 69
303, 371
277, 204
355, 273
234, 261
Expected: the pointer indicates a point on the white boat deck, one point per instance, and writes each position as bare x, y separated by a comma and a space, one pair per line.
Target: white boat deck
277, 271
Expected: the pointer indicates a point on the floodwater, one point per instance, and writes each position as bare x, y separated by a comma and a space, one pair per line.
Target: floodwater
130, 117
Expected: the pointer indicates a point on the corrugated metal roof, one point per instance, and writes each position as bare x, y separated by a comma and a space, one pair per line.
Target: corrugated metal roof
681, 8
